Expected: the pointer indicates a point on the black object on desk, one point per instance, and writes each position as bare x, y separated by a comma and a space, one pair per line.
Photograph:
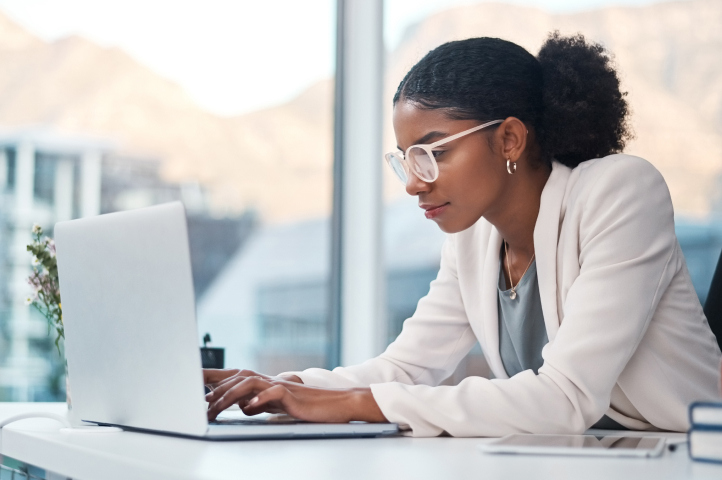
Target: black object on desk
211, 357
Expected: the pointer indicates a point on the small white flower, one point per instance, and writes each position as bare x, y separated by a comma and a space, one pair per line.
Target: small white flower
36, 262
30, 299
37, 229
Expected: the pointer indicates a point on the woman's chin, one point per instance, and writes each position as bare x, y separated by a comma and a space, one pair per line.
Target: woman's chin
447, 226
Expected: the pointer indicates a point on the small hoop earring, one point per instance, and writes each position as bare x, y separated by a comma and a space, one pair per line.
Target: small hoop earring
510, 166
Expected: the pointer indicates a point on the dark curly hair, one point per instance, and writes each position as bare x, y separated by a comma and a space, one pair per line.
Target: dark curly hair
569, 93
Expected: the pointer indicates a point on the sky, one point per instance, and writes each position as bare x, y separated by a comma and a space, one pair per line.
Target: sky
233, 56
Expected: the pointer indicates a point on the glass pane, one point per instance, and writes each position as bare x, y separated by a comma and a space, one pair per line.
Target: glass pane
674, 84
116, 105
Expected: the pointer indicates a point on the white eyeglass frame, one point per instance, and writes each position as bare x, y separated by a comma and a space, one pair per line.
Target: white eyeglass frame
428, 148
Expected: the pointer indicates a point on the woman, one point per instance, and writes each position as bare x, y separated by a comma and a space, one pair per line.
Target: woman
561, 260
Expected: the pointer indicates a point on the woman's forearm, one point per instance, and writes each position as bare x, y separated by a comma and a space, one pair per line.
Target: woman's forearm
359, 402
363, 406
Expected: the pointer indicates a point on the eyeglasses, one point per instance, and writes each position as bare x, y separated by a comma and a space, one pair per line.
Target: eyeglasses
420, 159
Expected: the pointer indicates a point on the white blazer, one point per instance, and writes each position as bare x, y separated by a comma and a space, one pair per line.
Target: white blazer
627, 335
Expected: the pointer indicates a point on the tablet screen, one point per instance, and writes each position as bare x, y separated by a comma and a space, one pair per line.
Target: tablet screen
566, 444
580, 441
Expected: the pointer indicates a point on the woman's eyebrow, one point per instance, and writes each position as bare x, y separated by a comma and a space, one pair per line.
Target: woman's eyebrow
426, 138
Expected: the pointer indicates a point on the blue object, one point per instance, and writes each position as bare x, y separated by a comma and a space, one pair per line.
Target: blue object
700, 431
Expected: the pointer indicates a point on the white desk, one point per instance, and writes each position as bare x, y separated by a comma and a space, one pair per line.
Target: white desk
127, 455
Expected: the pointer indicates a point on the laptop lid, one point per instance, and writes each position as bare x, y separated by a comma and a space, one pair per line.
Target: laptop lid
129, 314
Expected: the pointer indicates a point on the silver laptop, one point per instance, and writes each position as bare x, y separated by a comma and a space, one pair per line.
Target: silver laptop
131, 337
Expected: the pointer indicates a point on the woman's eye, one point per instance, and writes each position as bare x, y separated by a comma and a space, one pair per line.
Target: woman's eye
438, 153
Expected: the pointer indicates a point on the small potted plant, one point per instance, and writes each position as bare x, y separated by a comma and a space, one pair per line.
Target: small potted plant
45, 296
211, 357
44, 282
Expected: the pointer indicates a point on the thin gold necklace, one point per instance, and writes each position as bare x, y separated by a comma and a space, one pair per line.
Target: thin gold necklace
512, 295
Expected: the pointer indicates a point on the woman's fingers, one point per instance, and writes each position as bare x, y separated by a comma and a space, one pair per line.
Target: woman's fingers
251, 373
241, 387
227, 383
218, 390
242, 391
272, 400
214, 375
232, 378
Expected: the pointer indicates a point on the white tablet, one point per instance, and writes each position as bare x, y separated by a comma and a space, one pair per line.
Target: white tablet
611, 445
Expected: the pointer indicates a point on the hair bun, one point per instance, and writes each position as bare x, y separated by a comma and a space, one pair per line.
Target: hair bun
585, 113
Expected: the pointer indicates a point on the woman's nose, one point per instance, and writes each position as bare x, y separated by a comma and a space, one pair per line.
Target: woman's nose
416, 186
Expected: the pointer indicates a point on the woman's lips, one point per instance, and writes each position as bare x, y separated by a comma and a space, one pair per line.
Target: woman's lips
432, 212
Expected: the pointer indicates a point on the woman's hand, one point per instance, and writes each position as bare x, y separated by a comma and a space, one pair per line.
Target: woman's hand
258, 394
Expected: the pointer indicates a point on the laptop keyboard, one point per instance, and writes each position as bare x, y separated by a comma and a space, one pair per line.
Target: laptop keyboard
272, 420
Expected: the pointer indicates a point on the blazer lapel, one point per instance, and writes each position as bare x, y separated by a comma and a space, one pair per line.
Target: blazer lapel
546, 238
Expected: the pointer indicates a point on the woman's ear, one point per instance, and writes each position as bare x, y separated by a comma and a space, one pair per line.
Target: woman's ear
513, 135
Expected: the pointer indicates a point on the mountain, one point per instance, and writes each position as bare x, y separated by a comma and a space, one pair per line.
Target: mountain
278, 160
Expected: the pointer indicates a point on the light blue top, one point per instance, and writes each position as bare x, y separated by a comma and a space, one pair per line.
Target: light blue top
522, 333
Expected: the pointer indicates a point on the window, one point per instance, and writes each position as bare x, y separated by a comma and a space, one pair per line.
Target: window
110, 106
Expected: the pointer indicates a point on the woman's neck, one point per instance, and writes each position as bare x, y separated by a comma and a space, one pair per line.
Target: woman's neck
516, 216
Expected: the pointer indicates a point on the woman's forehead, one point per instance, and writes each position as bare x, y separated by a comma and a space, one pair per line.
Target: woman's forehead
410, 115
411, 124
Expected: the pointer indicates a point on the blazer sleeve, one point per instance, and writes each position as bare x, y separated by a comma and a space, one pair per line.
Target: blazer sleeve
626, 248
431, 344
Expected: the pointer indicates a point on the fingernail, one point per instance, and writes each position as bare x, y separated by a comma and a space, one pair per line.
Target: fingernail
253, 400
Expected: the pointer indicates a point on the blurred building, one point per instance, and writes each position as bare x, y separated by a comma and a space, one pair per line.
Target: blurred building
132, 182
46, 177
269, 307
